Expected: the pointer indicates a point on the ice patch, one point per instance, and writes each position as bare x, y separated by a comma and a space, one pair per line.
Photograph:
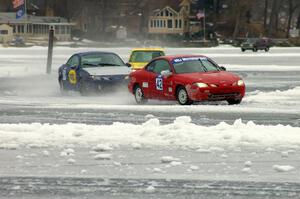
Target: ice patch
157, 170
71, 161
102, 147
150, 189
46, 153
285, 154
83, 171
182, 120
193, 168
149, 116
67, 152
167, 159
175, 163
104, 156
248, 164
283, 168
246, 170
136, 146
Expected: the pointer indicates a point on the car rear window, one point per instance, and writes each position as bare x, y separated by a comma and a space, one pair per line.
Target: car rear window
145, 56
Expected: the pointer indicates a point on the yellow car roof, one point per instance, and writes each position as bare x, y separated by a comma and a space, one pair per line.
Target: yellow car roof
147, 49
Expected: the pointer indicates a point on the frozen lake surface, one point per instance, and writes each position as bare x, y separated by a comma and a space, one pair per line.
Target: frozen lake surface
106, 146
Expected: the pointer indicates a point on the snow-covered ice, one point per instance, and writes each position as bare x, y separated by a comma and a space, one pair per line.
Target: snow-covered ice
171, 141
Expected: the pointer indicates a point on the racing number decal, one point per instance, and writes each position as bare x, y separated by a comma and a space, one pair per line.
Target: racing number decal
72, 77
64, 74
159, 83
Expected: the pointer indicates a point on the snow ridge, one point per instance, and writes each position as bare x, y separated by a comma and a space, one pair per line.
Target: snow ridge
181, 133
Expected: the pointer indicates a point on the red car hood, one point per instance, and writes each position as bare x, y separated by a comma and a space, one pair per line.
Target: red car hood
209, 77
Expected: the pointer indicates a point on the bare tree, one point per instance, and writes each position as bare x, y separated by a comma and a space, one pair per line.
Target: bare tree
293, 5
240, 9
273, 25
266, 13
298, 21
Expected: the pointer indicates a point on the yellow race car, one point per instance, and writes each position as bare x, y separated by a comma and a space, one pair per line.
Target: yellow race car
140, 57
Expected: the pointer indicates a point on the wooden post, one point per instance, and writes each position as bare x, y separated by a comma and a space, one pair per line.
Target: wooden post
50, 50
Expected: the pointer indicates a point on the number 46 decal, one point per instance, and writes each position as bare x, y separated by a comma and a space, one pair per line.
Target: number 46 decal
159, 83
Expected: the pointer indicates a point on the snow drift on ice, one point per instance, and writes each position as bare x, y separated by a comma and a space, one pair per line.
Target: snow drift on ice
180, 133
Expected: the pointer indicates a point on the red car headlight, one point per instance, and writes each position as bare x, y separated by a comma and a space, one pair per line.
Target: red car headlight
239, 83
201, 85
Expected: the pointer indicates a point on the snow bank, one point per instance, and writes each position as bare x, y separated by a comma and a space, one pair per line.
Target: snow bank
181, 133
256, 68
287, 97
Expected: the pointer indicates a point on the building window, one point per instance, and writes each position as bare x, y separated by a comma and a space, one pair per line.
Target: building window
56, 28
29, 30
46, 28
161, 23
68, 30
167, 13
62, 29
14, 29
170, 23
180, 23
20, 28
165, 24
151, 23
176, 23
3, 32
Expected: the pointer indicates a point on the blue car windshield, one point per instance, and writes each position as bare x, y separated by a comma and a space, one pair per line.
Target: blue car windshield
101, 60
194, 66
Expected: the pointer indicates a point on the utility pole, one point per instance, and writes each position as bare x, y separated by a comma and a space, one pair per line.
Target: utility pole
26, 18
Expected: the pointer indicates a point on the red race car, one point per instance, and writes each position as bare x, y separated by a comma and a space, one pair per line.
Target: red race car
185, 78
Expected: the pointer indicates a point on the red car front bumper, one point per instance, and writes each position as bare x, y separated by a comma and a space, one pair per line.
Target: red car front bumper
216, 94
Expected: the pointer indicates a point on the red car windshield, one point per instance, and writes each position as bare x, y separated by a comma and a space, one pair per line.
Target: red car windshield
194, 65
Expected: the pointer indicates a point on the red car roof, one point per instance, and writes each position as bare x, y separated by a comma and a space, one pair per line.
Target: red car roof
171, 57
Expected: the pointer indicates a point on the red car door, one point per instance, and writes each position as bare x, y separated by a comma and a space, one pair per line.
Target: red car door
159, 85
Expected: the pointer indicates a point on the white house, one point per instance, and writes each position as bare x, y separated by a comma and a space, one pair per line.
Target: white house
170, 20
6, 33
37, 26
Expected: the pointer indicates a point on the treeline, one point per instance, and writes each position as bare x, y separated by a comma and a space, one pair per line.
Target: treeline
277, 16
268, 17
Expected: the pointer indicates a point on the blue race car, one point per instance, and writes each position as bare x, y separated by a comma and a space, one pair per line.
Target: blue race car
93, 72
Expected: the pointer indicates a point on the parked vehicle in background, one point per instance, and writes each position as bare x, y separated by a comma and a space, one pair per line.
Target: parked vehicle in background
256, 44
140, 57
